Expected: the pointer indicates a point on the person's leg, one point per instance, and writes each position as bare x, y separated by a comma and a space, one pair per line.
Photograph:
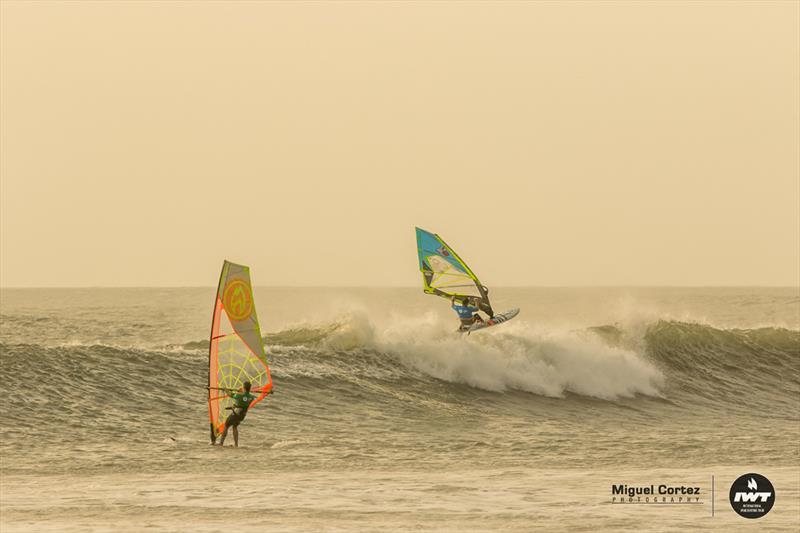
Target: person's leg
222, 437
236, 436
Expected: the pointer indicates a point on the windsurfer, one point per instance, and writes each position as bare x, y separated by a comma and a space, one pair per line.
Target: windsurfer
467, 312
241, 402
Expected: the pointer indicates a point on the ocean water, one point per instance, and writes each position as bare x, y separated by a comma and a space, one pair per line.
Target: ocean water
384, 418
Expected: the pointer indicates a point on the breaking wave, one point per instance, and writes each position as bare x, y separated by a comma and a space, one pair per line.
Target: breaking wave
423, 362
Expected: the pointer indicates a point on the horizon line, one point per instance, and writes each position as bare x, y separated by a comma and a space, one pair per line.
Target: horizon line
576, 286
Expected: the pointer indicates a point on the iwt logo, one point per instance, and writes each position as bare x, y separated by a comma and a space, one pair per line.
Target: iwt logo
752, 495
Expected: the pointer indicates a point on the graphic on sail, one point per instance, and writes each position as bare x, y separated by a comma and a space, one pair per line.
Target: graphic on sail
445, 274
236, 352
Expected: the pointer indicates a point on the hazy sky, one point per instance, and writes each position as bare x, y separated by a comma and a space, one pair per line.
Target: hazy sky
549, 143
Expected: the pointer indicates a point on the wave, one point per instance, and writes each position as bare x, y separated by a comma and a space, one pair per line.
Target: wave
664, 361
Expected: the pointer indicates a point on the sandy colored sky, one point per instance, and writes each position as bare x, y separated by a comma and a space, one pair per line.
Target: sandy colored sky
575, 143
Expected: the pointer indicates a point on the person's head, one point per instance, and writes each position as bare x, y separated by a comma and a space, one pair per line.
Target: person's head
246, 386
466, 302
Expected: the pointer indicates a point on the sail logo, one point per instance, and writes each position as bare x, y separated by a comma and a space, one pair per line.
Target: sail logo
238, 300
443, 251
752, 495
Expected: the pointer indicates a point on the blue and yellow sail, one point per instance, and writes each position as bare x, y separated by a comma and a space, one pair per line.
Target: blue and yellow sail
444, 273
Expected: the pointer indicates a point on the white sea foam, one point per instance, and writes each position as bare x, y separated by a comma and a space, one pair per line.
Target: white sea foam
515, 356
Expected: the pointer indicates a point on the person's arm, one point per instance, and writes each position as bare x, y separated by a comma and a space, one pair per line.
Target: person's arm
486, 308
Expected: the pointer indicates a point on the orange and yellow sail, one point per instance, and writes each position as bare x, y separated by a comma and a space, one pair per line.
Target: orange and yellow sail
236, 352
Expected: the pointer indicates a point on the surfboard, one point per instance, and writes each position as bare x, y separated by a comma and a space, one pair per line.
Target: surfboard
496, 319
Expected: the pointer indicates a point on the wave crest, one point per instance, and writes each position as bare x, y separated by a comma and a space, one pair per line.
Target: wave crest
514, 357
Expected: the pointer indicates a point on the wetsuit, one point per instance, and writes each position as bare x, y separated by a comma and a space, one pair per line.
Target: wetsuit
241, 403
